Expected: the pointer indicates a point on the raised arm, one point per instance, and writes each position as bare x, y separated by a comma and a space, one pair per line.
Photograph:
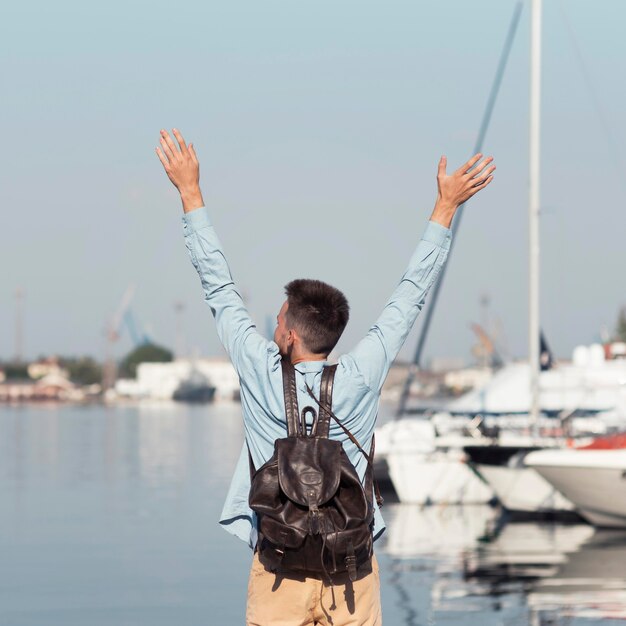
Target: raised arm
375, 353
235, 328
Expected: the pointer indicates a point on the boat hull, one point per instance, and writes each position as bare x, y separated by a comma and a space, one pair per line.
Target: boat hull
523, 490
594, 480
436, 478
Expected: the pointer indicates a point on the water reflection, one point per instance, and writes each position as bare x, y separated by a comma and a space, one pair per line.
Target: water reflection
590, 582
426, 549
163, 446
153, 443
127, 498
475, 561
436, 530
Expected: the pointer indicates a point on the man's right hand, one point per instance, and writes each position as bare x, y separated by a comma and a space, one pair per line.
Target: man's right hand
182, 167
456, 188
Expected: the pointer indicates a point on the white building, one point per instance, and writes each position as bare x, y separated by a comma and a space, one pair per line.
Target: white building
45, 367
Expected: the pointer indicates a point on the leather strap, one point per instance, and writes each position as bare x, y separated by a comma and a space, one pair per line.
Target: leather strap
326, 400
345, 430
369, 476
250, 463
291, 399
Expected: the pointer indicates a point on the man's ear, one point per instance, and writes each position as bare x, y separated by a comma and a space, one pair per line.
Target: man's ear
294, 338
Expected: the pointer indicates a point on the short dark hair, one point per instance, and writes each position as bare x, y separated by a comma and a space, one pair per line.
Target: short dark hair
318, 312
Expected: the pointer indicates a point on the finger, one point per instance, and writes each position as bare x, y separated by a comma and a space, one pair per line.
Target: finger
181, 141
192, 152
166, 149
165, 136
441, 170
481, 178
478, 186
480, 167
162, 158
470, 164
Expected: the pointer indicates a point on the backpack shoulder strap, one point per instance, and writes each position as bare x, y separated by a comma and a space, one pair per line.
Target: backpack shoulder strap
326, 400
370, 480
291, 398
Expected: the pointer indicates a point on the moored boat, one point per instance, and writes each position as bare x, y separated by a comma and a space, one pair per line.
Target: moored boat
426, 468
521, 489
593, 479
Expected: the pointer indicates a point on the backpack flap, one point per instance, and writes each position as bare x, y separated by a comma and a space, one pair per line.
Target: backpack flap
309, 469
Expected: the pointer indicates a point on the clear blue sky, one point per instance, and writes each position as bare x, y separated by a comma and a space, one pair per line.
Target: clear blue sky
318, 126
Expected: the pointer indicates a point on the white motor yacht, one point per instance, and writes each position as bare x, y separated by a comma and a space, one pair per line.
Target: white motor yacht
429, 469
594, 480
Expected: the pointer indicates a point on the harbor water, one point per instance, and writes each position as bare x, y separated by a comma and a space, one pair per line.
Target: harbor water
108, 517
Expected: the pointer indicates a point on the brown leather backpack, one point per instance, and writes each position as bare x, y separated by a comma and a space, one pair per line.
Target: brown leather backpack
314, 515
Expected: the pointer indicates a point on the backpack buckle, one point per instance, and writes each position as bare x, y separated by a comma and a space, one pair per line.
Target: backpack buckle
351, 567
350, 562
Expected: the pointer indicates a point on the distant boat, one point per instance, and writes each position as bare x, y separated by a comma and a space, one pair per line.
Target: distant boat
194, 388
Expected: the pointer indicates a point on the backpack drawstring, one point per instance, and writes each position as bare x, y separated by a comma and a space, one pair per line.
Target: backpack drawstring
332, 521
330, 580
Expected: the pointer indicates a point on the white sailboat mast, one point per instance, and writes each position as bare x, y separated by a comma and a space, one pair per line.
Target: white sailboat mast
533, 208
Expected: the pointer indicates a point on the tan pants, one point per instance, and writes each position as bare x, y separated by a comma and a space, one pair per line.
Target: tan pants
277, 600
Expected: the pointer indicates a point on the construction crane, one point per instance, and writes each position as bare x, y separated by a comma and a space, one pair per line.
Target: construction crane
486, 350
123, 317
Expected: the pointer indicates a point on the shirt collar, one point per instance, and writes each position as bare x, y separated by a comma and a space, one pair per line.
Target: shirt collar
305, 367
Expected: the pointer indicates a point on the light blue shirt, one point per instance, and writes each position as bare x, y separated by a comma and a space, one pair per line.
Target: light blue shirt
358, 380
